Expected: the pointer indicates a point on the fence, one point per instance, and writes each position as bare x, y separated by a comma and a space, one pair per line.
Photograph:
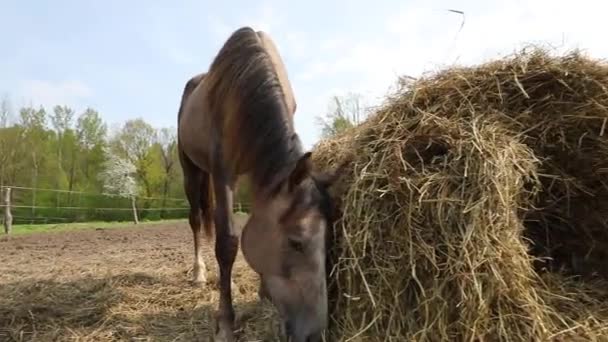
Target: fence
25, 205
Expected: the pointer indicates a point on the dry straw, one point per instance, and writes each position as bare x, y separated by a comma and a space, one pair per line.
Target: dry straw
452, 182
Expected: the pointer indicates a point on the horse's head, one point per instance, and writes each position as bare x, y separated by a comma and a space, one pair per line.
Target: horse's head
284, 241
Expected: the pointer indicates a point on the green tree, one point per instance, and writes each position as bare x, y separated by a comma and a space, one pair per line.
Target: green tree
61, 151
36, 141
134, 142
91, 135
9, 148
61, 121
167, 142
344, 112
5, 111
7, 141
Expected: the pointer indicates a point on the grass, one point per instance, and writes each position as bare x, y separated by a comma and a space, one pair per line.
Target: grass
23, 229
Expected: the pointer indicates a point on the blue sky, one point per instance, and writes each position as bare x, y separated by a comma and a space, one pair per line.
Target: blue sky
130, 59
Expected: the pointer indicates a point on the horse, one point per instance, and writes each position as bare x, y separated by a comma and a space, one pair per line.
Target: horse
236, 120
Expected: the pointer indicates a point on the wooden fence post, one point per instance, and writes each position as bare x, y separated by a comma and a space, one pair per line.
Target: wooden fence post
135, 218
8, 217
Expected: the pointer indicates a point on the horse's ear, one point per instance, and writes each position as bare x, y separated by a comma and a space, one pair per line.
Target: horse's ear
301, 171
327, 179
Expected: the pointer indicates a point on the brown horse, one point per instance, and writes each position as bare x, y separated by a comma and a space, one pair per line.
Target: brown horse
237, 120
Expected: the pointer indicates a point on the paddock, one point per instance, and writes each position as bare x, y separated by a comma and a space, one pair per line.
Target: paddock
130, 283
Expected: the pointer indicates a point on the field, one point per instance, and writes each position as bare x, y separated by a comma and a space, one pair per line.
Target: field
113, 283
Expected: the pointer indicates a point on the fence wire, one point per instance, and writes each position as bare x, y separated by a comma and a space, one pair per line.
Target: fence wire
68, 206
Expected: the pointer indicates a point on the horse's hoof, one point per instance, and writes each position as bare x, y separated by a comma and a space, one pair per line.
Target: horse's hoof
263, 294
199, 280
224, 334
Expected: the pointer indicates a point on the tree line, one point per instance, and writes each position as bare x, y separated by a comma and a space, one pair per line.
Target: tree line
60, 149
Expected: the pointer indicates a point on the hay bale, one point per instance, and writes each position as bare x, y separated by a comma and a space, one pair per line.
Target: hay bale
459, 185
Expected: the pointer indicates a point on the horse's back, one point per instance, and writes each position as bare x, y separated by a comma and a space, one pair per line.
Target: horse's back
190, 86
194, 122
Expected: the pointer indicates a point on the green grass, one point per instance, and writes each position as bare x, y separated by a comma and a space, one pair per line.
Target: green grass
23, 229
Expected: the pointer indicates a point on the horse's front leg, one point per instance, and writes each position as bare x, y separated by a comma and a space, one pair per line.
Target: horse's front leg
262, 291
226, 247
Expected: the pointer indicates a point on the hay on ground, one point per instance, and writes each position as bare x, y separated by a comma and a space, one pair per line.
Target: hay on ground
460, 186
127, 284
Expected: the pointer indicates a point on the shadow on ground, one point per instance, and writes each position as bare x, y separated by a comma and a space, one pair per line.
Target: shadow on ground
123, 307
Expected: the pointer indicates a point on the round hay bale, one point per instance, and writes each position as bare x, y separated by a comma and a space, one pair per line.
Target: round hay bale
458, 186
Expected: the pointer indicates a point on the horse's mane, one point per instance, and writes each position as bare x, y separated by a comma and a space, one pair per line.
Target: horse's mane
245, 94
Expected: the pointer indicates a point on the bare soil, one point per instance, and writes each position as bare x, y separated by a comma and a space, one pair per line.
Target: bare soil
119, 284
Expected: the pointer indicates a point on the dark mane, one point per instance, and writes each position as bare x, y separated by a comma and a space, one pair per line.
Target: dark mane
256, 128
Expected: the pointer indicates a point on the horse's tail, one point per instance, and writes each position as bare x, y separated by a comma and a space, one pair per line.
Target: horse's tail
206, 182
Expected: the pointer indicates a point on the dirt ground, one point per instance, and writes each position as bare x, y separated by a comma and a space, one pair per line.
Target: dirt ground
127, 284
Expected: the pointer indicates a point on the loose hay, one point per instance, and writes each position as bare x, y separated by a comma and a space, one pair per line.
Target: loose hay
449, 180
128, 284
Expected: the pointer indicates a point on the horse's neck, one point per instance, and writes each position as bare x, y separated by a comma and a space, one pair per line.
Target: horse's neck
265, 192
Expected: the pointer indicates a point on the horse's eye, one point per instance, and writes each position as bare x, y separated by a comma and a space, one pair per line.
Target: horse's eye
296, 245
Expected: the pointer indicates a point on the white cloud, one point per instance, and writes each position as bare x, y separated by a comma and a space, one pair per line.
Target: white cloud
263, 18
297, 44
420, 38
411, 39
49, 94
165, 36
218, 27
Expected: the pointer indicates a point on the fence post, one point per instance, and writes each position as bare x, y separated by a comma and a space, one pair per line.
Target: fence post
8, 217
135, 219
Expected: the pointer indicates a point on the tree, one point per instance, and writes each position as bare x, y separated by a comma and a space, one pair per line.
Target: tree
91, 130
167, 142
344, 112
34, 134
118, 177
32, 119
59, 150
61, 121
62, 118
5, 112
7, 147
91, 134
134, 142
135, 139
